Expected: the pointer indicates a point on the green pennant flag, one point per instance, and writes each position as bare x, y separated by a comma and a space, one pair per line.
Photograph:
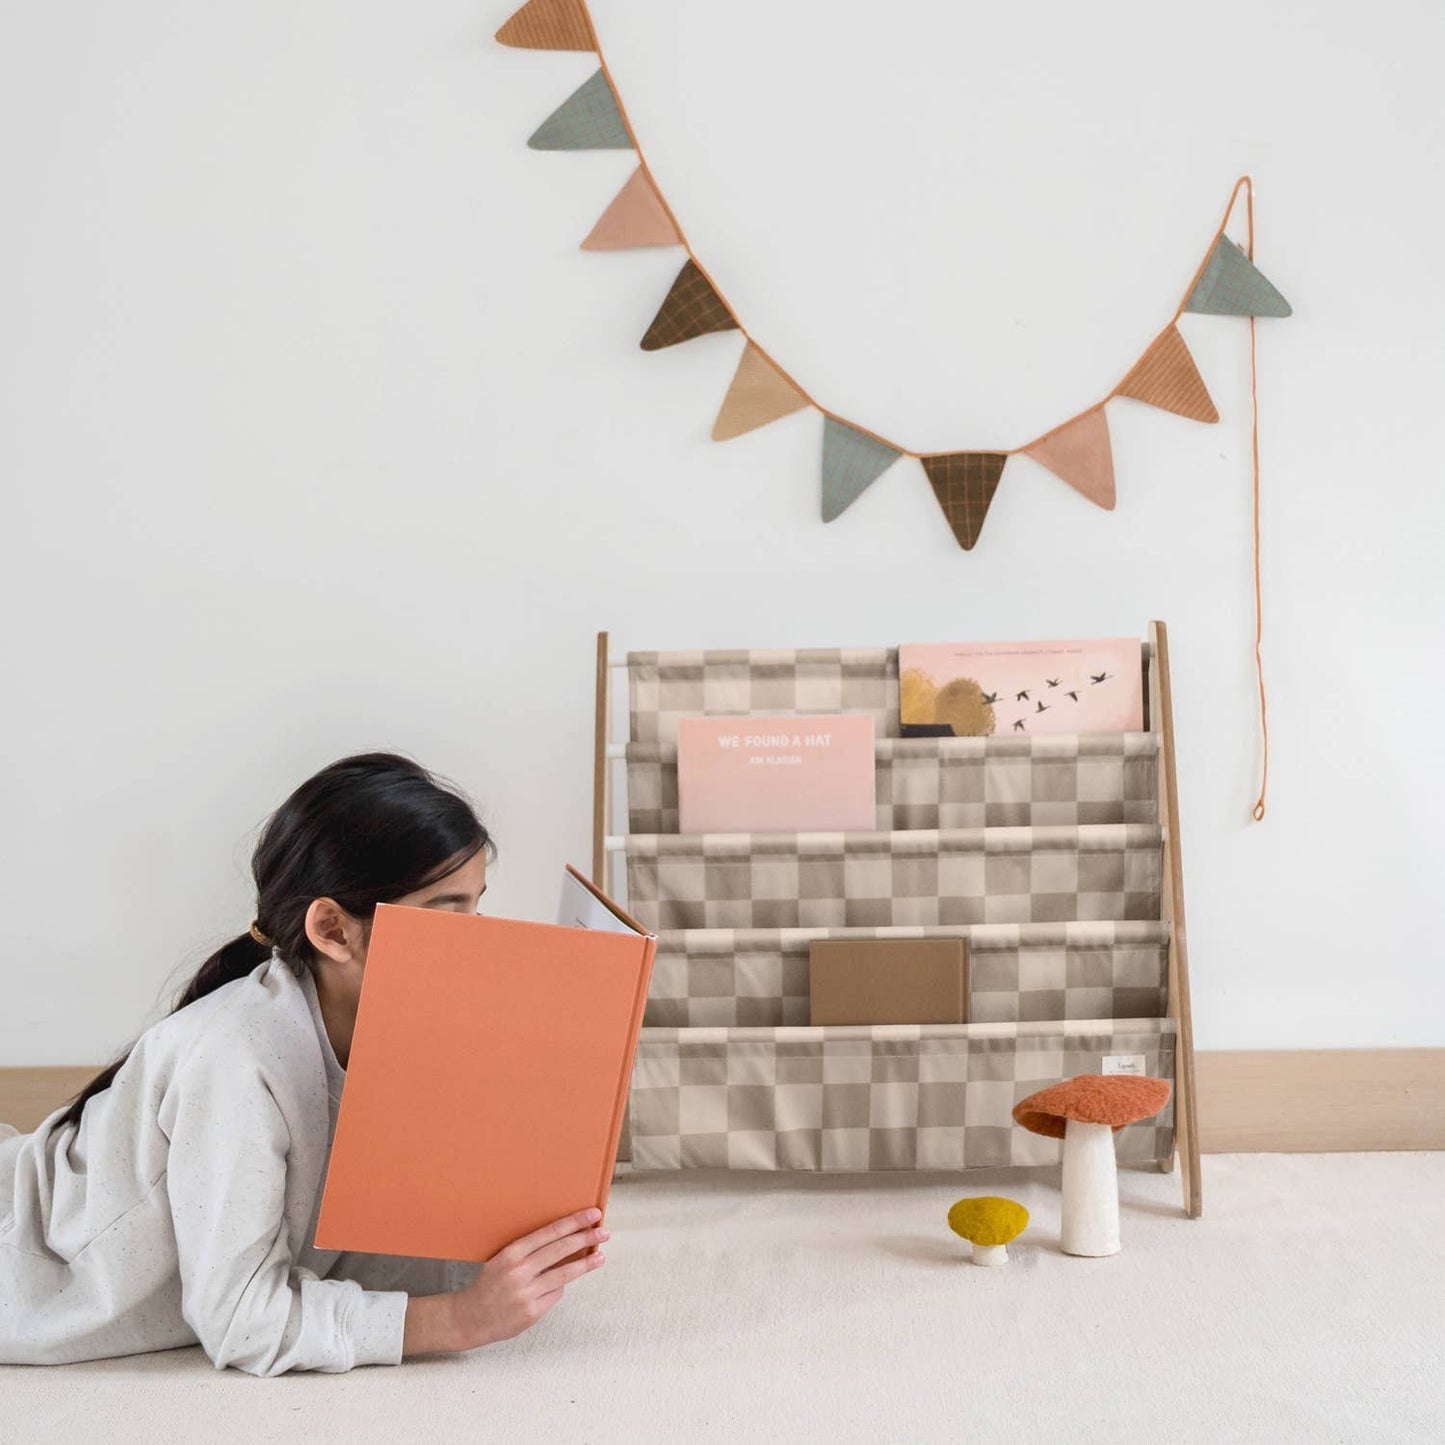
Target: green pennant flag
852, 462
588, 120
1231, 285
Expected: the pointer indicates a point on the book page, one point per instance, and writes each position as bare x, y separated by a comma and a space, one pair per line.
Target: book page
583, 906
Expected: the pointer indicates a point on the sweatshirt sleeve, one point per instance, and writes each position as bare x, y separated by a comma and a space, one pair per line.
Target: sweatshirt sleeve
240, 1293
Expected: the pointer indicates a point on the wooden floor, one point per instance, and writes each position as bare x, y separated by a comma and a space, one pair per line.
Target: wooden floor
1250, 1101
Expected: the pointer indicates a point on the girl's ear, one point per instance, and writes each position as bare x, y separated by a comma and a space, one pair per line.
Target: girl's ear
333, 932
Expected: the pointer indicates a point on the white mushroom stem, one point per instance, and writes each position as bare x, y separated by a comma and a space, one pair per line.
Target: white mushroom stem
990, 1254
1090, 1206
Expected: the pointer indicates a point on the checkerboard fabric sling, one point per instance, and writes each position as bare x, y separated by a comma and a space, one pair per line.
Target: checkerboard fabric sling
916, 876
899, 1096
1051, 780
1029, 972
666, 686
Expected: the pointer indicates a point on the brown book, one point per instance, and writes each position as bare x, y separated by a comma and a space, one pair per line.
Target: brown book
888, 981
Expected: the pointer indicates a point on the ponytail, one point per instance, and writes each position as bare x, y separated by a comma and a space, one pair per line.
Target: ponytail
235, 960
367, 830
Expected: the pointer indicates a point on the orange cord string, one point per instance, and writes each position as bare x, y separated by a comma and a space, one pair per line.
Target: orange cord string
1257, 812
1244, 183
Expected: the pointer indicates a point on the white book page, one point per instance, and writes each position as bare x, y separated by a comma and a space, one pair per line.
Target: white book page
580, 907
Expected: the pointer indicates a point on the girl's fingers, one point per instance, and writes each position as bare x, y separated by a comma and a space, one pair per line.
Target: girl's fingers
540, 1238
559, 1276
550, 1254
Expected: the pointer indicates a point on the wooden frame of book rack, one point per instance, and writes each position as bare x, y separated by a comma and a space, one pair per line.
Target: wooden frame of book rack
1172, 913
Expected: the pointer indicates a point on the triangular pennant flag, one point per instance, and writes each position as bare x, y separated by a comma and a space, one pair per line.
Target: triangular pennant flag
549, 25
964, 483
588, 120
1080, 453
1167, 377
759, 393
852, 462
692, 308
636, 217
1231, 285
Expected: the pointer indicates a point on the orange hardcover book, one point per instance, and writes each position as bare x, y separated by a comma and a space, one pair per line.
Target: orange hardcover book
487, 1078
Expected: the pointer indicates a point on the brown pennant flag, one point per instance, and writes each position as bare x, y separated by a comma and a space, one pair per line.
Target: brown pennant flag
636, 217
964, 483
692, 308
549, 25
760, 393
1079, 453
1167, 377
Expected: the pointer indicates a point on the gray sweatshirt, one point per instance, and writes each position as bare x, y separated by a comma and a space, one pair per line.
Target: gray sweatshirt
182, 1208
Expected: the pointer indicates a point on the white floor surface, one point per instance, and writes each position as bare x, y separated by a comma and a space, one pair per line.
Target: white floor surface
1307, 1305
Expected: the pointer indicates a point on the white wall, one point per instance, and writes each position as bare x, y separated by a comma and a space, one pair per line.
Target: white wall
318, 433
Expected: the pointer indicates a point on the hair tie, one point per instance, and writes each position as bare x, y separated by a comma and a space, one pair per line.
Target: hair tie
258, 935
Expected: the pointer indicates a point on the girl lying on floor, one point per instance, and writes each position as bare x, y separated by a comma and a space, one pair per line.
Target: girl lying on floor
174, 1201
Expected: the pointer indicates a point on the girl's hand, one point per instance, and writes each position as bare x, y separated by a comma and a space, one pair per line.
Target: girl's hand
516, 1286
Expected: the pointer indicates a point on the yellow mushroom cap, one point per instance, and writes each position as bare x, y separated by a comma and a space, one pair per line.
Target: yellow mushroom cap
988, 1220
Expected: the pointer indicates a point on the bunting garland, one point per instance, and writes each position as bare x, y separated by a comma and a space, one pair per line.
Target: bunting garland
1078, 451
852, 461
759, 393
634, 218
1166, 376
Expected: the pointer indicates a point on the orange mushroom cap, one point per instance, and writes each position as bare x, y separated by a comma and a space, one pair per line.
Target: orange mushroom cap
1113, 1099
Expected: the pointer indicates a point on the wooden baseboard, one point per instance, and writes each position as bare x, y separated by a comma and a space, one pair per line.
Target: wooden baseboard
1266, 1101
28, 1095
1294, 1101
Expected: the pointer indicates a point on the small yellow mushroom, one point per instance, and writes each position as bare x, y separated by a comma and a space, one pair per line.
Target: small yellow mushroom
988, 1223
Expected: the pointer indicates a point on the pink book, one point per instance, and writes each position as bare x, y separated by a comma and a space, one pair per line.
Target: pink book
976, 689
776, 774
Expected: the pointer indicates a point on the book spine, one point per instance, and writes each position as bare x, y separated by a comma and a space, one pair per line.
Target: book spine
624, 1082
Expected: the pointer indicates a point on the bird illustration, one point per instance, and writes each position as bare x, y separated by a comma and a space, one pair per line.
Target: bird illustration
1039, 707
1100, 676
1023, 696
1053, 681
1073, 695
990, 698
1019, 726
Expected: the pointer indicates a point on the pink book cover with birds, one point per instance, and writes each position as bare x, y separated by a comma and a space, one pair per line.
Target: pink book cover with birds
979, 689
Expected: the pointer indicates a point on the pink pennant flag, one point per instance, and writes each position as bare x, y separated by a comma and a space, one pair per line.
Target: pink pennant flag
636, 217
1080, 454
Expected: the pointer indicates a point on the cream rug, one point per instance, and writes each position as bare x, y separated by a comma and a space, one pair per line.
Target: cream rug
1307, 1305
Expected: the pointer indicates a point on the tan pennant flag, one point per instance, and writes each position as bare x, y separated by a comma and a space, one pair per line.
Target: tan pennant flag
964, 483
692, 308
636, 217
1167, 377
1079, 453
549, 25
760, 393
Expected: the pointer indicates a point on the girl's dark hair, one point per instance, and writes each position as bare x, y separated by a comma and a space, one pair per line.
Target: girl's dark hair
366, 830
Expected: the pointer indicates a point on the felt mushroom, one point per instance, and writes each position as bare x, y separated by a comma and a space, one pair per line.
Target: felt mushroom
989, 1224
1086, 1112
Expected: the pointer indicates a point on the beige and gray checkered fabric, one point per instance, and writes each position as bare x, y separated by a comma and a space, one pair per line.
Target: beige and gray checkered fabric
1001, 782
1043, 852
916, 876
1030, 972
666, 686
899, 1096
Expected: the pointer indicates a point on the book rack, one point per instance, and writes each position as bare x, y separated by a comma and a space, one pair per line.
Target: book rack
1056, 856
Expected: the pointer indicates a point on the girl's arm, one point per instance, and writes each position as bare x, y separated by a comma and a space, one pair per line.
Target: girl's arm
227, 1186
